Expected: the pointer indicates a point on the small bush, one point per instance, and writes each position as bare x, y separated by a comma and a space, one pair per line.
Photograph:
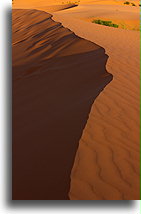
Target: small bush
127, 2
106, 23
72, 2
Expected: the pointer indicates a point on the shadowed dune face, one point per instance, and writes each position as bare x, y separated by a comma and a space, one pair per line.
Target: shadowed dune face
56, 78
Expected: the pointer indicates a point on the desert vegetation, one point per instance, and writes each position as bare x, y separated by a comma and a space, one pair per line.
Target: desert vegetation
106, 23
72, 2
129, 3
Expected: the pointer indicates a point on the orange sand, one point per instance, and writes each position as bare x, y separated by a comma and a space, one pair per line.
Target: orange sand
126, 16
107, 161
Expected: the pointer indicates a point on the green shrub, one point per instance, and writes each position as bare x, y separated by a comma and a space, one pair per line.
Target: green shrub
106, 23
127, 2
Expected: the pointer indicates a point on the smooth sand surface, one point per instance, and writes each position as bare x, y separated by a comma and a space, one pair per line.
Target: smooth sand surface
107, 162
45, 5
56, 78
125, 17
33, 3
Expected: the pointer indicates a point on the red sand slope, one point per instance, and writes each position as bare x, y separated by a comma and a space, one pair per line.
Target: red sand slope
56, 78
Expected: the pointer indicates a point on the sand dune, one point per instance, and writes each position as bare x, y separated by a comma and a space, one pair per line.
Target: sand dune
34, 3
107, 161
54, 8
56, 78
125, 17
44, 5
108, 2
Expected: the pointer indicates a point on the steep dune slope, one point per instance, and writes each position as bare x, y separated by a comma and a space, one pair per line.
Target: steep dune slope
56, 78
